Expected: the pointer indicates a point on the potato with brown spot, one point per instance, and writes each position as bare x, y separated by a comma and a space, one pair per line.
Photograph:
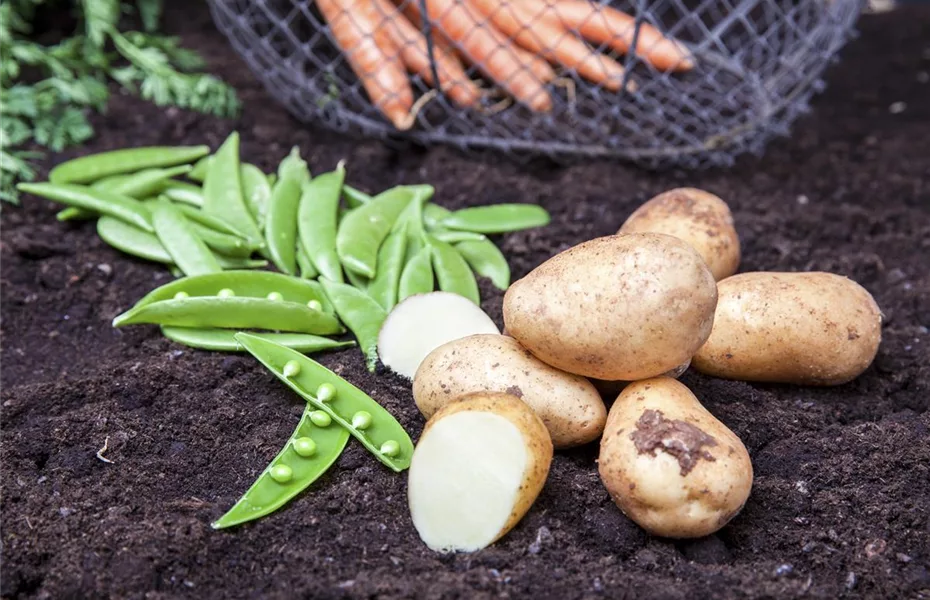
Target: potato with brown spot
670, 465
697, 217
621, 307
802, 328
570, 407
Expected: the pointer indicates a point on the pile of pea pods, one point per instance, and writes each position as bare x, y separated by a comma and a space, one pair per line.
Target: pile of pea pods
344, 259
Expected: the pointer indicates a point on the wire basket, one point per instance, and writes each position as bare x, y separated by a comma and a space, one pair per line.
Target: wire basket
747, 69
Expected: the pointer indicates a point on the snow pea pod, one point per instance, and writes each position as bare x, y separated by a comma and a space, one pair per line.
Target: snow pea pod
499, 218
309, 453
99, 201
232, 312
207, 220
452, 272
349, 406
189, 252
453, 237
254, 284
139, 185
222, 190
183, 192
304, 264
96, 166
486, 260
355, 197
433, 214
224, 340
417, 276
199, 172
257, 192
361, 314
136, 242
281, 225
357, 281
316, 221
223, 243
383, 288
363, 230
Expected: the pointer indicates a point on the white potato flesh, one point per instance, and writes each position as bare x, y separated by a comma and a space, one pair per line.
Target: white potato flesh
465, 478
422, 323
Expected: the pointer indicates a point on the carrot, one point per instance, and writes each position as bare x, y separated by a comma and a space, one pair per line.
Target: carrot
415, 54
359, 31
605, 25
487, 49
548, 39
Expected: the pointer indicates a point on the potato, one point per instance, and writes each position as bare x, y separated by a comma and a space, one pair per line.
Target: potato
803, 328
697, 217
669, 464
621, 307
611, 389
478, 467
568, 405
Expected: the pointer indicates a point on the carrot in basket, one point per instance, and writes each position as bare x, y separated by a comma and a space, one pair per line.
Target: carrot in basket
605, 25
413, 50
358, 29
549, 40
488, 50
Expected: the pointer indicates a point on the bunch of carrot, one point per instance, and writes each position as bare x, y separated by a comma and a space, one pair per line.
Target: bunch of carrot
513, 43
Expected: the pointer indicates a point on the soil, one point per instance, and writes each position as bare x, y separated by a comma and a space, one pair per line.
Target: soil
841, 501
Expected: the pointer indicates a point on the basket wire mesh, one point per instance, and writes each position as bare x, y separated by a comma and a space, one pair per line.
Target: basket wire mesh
746, 70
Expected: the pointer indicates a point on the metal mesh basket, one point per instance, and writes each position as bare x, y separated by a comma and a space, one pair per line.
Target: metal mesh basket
754, 66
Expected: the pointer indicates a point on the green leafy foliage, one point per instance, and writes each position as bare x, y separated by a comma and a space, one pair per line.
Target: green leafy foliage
47, 92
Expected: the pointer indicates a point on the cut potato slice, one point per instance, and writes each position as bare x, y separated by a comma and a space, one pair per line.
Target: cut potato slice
422, 323
478, 467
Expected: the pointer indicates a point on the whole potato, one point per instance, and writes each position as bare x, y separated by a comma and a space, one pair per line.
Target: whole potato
621, 307
669, 464
697, 217
804, 328
568, 405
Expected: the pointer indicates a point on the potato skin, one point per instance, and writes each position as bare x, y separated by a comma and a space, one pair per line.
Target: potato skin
669, 464
538, 442
621, 307
802, 328
568, 405
697, 217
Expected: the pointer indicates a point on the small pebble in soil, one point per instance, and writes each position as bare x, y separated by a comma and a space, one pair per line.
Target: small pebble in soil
803, 200
543, 536
784, 569
850, 580
897, 108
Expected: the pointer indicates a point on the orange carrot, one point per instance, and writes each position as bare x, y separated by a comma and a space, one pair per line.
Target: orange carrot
359, 31
552, 42
413, 50
485, 47
605, 25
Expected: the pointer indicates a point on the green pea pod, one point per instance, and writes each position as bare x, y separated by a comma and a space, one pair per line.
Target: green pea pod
453, 237
72, 213
499, 218
132, 240
349, 406
417, 276
252, 284
209, 221
232, 312
224, 340
130, 160
99, 201
433, 214
316, 222
223, 243
222, 190
281, 225
183, 192
272, 179
357, 281
139, 185
307, 269
355, 197
309, 453
486, 260
199, 172
383, 288
363, 230
233, 262
257, 192
189, 252
452, 272
361, 314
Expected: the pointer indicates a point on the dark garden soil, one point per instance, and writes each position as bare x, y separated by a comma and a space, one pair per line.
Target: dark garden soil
841, 501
